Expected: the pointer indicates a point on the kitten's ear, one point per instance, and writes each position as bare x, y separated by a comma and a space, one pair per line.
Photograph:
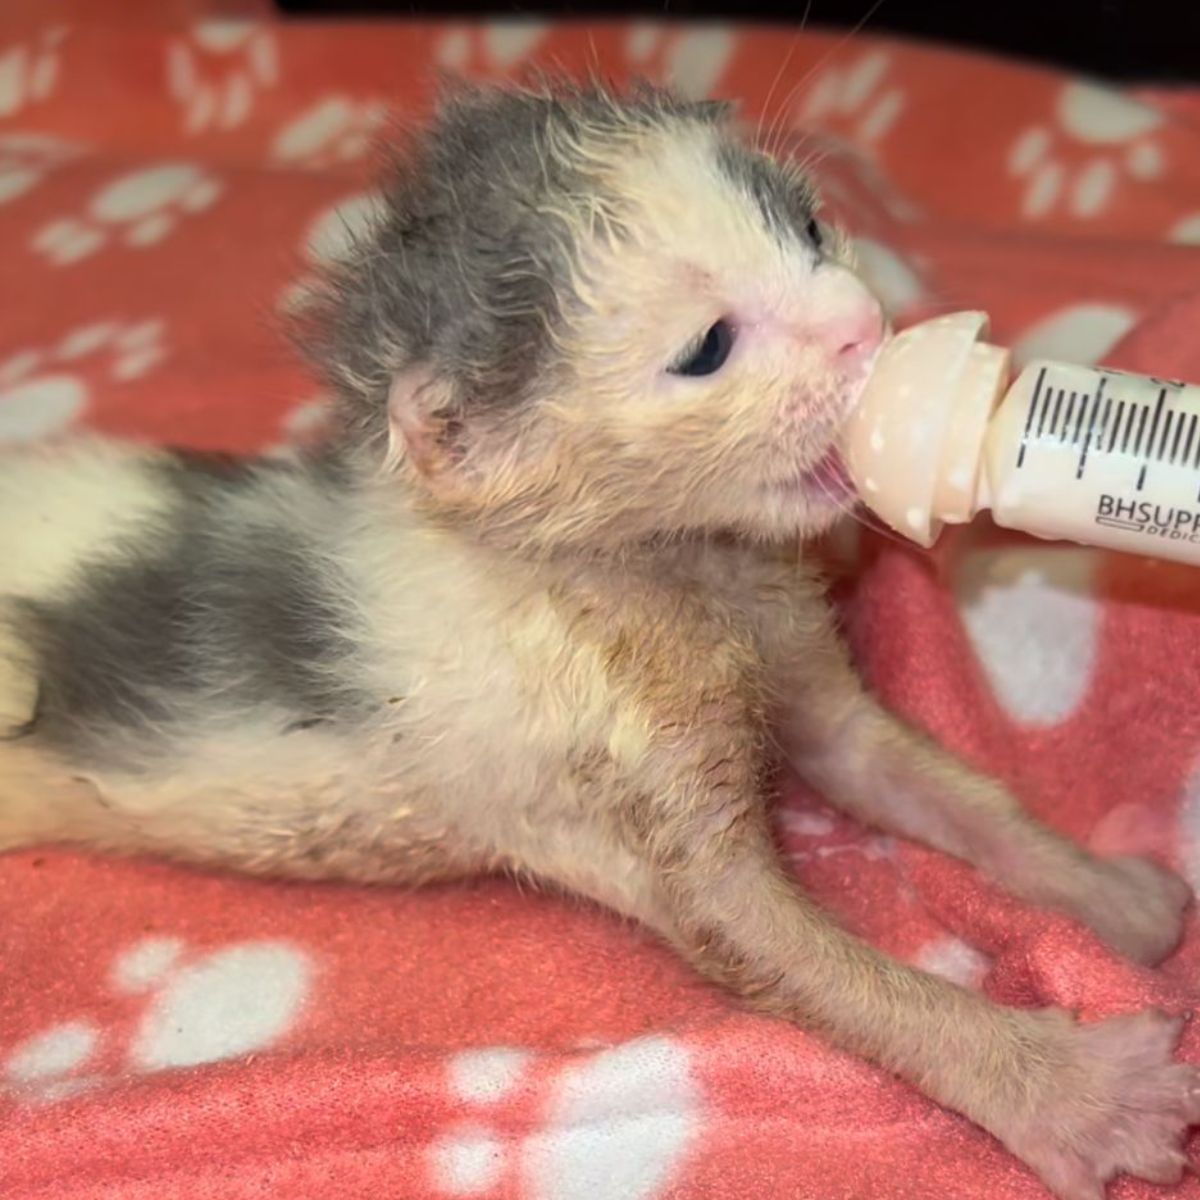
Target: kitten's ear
424, 428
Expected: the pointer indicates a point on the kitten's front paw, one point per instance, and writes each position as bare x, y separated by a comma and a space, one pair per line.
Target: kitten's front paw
1137, 907
1112, 1102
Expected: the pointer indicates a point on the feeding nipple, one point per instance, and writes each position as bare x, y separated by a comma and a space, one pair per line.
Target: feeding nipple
1093, 455
914, 443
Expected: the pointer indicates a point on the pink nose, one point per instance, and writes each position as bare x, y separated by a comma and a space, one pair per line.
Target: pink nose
852, 337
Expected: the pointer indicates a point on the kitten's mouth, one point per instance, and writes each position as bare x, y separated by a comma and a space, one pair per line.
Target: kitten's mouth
827, 481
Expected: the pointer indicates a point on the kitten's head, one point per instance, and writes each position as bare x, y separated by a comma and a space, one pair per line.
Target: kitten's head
586, 320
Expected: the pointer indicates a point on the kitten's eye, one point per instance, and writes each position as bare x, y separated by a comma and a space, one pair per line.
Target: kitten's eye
813, 232
708, 356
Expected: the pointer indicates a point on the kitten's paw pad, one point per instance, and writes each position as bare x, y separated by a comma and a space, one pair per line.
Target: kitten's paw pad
1137, 908
1116, 1103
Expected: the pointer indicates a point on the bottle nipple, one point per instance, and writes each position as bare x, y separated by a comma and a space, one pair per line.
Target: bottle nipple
914, 444
1063, 451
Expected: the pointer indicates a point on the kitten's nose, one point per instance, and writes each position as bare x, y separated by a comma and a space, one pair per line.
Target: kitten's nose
853, 336
849, 323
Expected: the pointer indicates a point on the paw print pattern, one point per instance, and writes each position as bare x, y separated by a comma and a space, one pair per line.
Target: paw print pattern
807, 827
618, 1124
329, 236
1082, 333
217, 70
46, 1066
854, 101
838, 124
897, 280
27, 158
137, 210
307, 421
953, 959
693, 59
195, 1009
1186, 231
336, 129
1099, 138
29, 71
303, 425
44, 391
1034, 622
494, 47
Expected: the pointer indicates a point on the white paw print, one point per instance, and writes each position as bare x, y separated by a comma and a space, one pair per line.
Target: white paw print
198, 1009
872, 847
854, 100
27, 158
329, 235
29, 71
692, 59
1034, 623
618, 1124
1100, 137
802, 829
44, 391
489, 46
895, 280
953, 959
1080, 333
335, 129
1186, 231
806, 823
848, 175
138, 209
217, 70
305, 424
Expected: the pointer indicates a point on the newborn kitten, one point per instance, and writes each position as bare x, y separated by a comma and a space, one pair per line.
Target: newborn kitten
531, 609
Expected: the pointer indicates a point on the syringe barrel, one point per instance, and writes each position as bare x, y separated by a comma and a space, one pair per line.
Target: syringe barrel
1099, 457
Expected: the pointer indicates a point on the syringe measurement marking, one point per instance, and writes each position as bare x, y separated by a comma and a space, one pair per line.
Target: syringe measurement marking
1083, 407
1029, 419
1166, 433
1162, 399
1112, 440
1178, 434
1128, 428
1150, 451
1108, 403
1156, 429
1045, 411
1137, 445
1087, 441
1057, 410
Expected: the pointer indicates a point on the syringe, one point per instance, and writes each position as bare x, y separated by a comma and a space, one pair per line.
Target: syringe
1088, 454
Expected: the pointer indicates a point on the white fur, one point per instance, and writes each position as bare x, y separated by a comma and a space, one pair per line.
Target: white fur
62, 505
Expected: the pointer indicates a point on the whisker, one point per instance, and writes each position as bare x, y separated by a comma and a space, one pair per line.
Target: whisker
833, 50
783, 66
863, 516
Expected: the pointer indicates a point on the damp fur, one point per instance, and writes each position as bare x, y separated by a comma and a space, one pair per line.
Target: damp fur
536, 606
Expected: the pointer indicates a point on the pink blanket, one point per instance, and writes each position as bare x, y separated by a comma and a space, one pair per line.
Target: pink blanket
165, 1032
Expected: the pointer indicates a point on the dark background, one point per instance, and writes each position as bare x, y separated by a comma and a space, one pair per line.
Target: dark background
1152, 40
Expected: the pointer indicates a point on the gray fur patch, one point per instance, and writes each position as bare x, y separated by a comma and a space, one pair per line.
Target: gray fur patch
210, 613
467, 270
786, 207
